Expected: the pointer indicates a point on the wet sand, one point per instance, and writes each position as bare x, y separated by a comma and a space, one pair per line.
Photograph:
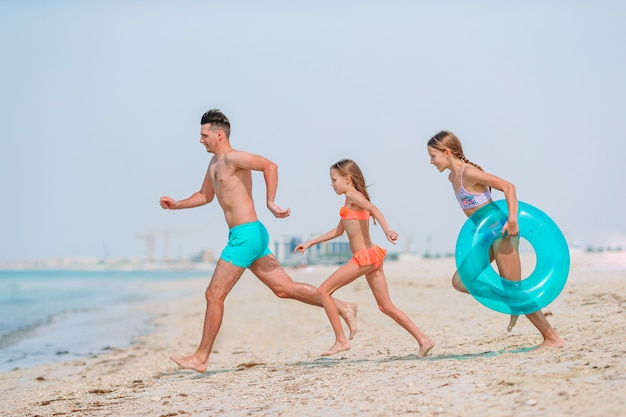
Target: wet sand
266, 358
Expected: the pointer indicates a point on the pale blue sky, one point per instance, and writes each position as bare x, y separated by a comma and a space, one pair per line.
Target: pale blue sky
100, 105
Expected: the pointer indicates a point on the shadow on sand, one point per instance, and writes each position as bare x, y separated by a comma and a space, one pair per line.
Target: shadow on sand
330, 362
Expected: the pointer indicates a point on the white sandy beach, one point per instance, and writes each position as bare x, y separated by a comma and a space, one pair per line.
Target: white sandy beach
266, 359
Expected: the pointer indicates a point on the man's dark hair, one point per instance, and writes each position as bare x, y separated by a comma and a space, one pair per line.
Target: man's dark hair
218, 121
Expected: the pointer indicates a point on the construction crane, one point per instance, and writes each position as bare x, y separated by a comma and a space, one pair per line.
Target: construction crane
150, 239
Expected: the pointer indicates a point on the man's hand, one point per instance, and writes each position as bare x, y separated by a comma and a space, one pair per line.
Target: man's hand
277, 211
167, 203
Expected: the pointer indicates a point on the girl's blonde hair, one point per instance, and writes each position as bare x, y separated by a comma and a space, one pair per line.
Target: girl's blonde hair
448, 140
349, 168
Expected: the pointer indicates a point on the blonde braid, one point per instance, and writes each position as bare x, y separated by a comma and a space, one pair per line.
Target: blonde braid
467, 161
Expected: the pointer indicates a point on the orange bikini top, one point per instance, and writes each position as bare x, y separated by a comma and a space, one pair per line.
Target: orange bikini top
349, 214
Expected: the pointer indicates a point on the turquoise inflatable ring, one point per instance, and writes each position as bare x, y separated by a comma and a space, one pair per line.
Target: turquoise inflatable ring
529, 295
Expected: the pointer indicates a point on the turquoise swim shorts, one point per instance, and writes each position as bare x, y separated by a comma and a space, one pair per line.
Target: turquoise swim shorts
247, 242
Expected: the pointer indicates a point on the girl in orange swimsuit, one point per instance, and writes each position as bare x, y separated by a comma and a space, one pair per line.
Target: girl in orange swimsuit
347, 179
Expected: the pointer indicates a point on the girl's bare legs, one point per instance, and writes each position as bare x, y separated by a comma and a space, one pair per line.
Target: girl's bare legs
509, 266
378, 284
508, 254
341, 277
458, 284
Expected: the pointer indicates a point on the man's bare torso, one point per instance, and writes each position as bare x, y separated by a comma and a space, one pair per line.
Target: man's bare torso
233, 189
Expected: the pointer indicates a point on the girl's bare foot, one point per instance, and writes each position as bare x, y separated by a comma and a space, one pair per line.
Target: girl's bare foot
190, 362
336, 348
512, 323
425, 348
555, 343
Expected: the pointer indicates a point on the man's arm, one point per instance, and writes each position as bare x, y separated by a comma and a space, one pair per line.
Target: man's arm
199, 198
245, 160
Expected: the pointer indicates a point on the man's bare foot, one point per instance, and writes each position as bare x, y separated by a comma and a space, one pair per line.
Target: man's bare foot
190, 362
336, 348
349, 315
556, 343
512, 323
425, 348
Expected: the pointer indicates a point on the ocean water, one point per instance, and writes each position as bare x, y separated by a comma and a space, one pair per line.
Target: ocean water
49, 316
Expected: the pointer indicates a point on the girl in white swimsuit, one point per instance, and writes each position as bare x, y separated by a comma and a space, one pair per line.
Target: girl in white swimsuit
472, 187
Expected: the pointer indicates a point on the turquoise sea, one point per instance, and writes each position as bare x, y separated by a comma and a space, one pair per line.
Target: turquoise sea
49, 316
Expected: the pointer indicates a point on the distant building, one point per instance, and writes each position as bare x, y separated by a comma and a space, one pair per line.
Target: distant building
204, 256
336, 251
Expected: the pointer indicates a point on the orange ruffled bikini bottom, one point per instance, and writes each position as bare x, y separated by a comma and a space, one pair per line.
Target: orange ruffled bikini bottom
370, 256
